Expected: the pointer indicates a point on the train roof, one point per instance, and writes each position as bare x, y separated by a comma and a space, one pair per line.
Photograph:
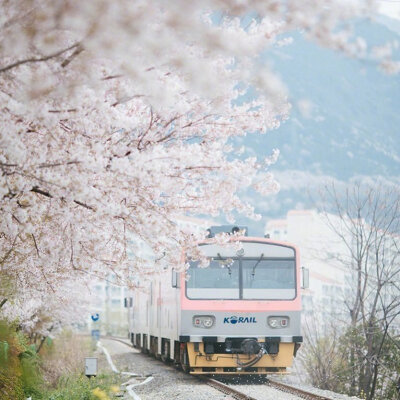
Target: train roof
214, 230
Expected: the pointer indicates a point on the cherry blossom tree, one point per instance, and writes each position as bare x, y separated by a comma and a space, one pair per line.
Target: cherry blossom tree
117, 118
40, 314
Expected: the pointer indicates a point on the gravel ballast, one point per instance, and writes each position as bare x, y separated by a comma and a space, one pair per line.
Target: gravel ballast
170, 383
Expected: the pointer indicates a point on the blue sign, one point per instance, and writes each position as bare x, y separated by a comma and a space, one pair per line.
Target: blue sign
96, 334
95, 317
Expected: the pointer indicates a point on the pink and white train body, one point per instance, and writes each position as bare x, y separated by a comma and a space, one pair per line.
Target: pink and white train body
240, 315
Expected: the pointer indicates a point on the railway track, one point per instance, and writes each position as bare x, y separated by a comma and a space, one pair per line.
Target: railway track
296, 391
236, 394
225, 388
276, 385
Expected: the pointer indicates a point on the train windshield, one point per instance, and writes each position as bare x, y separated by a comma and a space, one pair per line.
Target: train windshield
243, 278
268, 279
222, 275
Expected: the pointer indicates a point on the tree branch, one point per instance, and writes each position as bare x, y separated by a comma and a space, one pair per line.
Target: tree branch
4, 301
37, 59
35, 189
43, 339
77, 51
36, 246
84, 205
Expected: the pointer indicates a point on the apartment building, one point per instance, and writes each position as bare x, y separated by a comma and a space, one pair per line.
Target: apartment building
323, 253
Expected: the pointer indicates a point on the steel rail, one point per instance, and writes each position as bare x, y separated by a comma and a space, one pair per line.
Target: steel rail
225, 388
118, 339
275, 385
296, 391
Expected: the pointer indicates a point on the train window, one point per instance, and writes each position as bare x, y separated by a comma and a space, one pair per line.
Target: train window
220, 275
242, 278
268, 279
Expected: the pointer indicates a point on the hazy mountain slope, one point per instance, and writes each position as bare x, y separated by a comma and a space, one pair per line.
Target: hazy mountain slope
353, 129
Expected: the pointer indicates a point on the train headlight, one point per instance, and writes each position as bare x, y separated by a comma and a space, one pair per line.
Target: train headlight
203, 321
278, 322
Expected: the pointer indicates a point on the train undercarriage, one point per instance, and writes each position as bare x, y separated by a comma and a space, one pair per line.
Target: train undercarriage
233, 356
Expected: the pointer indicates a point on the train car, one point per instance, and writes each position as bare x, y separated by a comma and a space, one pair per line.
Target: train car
239, 315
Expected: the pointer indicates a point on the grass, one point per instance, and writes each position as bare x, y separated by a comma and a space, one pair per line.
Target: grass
64, 356
63, 365
79, 387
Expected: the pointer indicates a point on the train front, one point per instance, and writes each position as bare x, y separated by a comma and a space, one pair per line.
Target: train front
241, 315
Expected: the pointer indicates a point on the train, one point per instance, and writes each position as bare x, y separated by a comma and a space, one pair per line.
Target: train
240, 315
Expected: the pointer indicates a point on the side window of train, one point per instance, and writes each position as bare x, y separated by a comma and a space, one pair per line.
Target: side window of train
175, 279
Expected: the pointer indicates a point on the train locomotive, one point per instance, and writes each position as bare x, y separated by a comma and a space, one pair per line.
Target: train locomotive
239, 315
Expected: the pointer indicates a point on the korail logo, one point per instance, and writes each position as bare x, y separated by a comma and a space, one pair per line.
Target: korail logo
240, 320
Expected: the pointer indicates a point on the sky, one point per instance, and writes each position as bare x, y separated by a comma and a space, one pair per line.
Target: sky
391, 8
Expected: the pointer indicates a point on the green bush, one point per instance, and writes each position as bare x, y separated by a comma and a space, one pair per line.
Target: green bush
19, 366
22, 371
79, 387
341, 363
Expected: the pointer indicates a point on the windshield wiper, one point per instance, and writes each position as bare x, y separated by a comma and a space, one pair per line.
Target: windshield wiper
226, 265
255, 266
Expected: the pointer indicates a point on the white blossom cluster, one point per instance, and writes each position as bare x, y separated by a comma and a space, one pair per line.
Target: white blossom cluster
116, 118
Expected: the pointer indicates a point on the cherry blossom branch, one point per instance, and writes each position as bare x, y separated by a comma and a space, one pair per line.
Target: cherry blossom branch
77, 51
202, 167
72, 251
165, 138
147, 130
84, 205
38, 59
62, 111
4, 301
37, 190
126, 99
9, 251
47, 281
109, 77
15, 218
36, 246
50, 165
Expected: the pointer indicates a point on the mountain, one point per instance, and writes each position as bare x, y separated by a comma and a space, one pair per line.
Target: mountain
352, 131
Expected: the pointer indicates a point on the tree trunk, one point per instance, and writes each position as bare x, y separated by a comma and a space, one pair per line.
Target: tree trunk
43, 339
41, 343
353, 375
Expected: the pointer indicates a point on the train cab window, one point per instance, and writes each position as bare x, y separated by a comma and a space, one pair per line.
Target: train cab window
220, 274
268, 279
242, 278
